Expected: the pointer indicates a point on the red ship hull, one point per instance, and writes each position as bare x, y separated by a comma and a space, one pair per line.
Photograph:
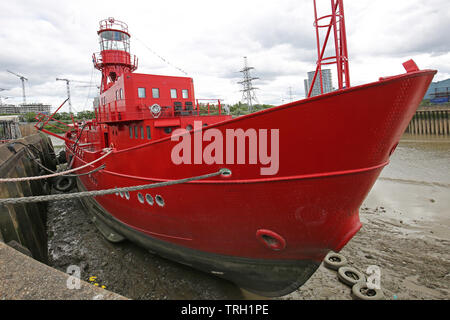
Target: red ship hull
332, 148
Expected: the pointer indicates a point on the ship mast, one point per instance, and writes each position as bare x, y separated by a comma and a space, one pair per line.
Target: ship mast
115, 58
336, 24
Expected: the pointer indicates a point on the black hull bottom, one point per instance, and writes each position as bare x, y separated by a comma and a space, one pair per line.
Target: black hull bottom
270, 278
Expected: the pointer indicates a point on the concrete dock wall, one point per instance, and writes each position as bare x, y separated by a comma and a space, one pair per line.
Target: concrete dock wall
22, 277
25, 224
433, 122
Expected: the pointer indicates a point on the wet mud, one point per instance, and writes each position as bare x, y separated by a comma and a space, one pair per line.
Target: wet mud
124, 268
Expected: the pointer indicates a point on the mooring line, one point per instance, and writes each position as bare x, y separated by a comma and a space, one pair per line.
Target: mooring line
83, 194
109, 151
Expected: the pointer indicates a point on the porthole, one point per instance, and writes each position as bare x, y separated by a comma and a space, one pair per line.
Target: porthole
189, 127
127, 195
149, 199
159, 200
140, 197
168, 130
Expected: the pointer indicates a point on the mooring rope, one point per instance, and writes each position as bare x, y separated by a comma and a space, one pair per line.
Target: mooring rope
109, 151
95, 193
38, 162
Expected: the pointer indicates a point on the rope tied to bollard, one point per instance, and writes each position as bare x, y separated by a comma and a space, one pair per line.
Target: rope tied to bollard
83, 194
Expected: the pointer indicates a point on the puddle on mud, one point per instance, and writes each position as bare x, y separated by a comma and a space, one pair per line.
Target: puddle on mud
416, 184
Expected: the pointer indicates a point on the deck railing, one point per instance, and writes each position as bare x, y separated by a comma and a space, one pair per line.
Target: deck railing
114, 111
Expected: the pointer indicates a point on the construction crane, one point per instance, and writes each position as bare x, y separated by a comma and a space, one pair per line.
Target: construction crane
68, 81
22, 78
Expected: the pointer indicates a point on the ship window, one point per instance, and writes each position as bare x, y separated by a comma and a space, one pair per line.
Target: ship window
142, 133
131, 132
149, 199
168, 130
159, 200
155, 93
173, 93
185, 94
136, 133
141, 92
149, 136
141, 198
114, 35
121, 94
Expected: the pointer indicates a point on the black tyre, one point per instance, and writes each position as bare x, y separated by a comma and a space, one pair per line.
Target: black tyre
64, 184
350, 276
334, 261
360, 291
62, 157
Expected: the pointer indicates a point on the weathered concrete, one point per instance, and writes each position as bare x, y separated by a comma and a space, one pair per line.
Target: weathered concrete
27, 129
23, 278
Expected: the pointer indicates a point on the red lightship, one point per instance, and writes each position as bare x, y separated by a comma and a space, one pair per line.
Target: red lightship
266, 226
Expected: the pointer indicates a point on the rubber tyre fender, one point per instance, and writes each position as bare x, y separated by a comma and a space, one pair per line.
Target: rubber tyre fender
64, 184
360, 291
62, 157
334, 261
350, 276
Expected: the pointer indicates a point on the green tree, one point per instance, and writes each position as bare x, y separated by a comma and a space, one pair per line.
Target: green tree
30, 117
86, 115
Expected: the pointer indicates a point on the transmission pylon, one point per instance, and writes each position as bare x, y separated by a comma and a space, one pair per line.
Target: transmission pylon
291, 95
248, 91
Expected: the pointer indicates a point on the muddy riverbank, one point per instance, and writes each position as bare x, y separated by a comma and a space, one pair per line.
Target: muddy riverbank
124, 268
406, 232
414, 262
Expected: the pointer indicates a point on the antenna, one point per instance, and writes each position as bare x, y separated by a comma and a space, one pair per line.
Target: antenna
22, 78
248, 93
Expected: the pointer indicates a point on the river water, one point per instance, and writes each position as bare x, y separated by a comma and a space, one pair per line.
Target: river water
416, 183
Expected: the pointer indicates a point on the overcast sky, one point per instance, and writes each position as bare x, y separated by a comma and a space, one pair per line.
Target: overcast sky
42, 40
